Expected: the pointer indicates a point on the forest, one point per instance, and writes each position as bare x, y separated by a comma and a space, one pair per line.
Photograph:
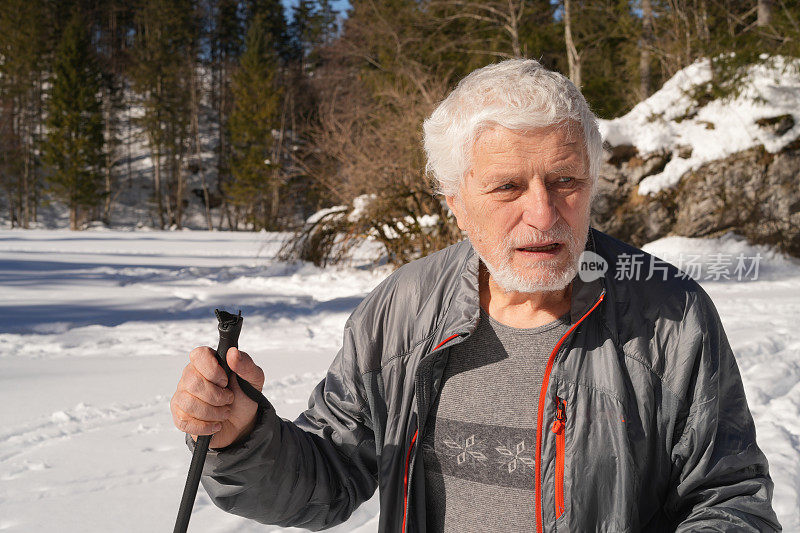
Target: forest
254, 114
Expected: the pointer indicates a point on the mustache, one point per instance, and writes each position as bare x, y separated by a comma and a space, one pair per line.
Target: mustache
560, 232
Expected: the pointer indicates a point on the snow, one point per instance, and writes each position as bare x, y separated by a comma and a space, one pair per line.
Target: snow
360, 206
760, 319
669, 118
339, 210
96, 327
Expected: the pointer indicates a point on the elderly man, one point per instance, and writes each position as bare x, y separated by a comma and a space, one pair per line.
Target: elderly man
489, 386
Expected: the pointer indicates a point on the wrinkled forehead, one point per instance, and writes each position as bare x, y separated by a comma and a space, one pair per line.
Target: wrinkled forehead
565, 137
566, 132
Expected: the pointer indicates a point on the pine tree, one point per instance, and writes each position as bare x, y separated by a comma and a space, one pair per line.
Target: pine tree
313, 26
257, 98
25, 43
269, 14
112, 22
164, 56
226, 47
74, 146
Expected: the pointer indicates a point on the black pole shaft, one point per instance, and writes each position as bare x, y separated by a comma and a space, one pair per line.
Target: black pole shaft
229, 328
192, 483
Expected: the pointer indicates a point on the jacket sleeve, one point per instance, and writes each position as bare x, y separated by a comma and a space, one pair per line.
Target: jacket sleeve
720, 478
311, 473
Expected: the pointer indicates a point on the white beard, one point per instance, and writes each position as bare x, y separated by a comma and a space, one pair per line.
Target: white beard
550, 275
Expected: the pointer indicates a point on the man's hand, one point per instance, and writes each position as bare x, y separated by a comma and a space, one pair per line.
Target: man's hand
205, 403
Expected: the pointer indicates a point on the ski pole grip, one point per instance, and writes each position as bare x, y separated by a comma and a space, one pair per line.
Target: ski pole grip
229, 327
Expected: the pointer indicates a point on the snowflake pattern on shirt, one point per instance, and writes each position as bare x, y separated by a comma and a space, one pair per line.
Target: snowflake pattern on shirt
496, 455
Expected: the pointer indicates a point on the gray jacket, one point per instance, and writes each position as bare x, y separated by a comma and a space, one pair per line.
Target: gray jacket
642, 419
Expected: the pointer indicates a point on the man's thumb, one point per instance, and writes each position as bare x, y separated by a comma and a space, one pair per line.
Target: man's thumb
242, 364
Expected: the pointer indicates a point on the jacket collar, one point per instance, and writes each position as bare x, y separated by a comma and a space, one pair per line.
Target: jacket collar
586, 294
464, 311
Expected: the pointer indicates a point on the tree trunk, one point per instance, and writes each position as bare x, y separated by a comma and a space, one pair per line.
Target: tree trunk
157, 186
573, 57
645, 83
764, 13
701, 16
37, 185
12, 214
271, 212
26, 178
170, 184
179, 190
514, 14
107, 191
169, 174
223, 208
108, 157
197, 156
223, 154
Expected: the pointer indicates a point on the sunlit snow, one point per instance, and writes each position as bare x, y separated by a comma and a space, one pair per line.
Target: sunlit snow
96, 326
670, 119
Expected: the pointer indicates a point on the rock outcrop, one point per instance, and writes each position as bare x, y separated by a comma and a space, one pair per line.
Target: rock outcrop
754, 193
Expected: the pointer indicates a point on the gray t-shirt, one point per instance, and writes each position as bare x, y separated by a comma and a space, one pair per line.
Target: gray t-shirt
478, 446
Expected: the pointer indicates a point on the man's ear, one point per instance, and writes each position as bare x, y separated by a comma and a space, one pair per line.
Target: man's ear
455, 205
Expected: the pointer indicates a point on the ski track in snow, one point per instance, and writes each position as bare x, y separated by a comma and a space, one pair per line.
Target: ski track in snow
97, 326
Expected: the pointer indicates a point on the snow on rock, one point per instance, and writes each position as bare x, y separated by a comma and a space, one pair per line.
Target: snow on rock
671, 120
96, 327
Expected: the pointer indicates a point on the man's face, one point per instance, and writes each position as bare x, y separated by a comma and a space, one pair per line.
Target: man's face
525, 205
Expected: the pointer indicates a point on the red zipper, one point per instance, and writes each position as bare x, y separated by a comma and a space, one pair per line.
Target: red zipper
559, 428
405, 480
411, 447
540, 414
448, 339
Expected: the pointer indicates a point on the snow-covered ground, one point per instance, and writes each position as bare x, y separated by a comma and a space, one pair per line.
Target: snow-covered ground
96, 326
95, 329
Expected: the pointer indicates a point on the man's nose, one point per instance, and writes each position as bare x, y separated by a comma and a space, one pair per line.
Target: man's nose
538, 208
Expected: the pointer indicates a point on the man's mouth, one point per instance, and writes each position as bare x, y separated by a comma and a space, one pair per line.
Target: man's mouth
541, 248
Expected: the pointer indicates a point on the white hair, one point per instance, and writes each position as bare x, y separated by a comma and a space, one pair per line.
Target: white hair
518, 94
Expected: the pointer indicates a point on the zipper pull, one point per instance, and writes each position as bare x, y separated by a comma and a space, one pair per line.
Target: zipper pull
561, 416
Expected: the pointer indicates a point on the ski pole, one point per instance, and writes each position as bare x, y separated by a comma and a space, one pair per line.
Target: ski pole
229, 327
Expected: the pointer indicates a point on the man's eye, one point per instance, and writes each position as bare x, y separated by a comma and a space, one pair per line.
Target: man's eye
505, 187
564, 181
